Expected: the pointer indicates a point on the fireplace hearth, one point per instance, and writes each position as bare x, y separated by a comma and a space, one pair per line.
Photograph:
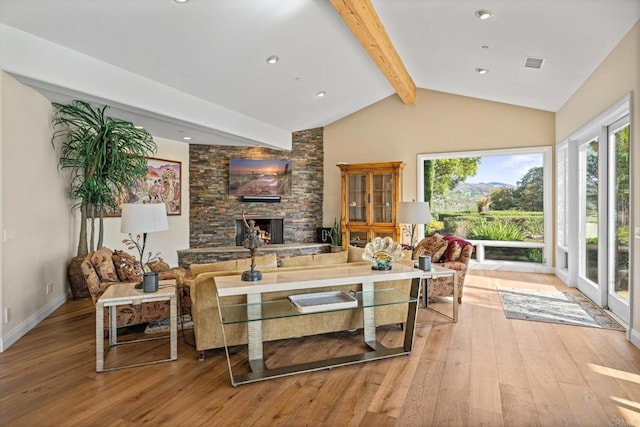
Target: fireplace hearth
271, 229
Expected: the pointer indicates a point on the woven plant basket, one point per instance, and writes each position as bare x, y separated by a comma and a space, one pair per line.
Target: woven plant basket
76, 280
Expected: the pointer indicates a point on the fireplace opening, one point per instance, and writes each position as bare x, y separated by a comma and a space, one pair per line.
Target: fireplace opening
271, 230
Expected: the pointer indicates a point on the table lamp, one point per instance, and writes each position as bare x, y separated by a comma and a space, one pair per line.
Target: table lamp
143, 219
413, 213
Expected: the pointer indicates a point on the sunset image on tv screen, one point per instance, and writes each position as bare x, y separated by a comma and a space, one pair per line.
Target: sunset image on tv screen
259, 177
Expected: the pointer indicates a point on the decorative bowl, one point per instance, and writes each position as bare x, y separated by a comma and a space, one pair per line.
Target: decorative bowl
382, 253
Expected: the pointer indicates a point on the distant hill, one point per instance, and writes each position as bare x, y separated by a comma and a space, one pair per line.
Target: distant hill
480, 188
465, 195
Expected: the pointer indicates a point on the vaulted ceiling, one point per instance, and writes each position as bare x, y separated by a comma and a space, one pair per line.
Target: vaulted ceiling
200, 68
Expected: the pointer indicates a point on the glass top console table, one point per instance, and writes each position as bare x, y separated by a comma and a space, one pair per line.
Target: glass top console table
367, 298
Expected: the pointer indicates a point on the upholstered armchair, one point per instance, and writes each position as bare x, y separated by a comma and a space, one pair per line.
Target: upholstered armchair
104, 267
449, 252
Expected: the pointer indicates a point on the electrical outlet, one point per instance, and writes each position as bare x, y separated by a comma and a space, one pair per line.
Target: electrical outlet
7, 315
49, 288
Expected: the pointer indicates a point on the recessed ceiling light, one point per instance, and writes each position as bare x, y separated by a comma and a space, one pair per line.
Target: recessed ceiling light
482, 70
272, 59
180, 1
484, 14
321, 94
186, 138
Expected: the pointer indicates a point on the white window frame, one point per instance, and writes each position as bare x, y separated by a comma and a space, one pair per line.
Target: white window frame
562, 208
547, 245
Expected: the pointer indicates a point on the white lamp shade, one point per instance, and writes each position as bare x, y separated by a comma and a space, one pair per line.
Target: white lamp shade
414, 213
144, 218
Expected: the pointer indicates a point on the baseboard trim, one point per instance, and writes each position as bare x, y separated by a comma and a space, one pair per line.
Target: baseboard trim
19, 331
634, 337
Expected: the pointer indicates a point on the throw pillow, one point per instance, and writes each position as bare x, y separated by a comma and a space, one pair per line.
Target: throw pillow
127, 267
433, 246
262, 261
315, 259
102, 263
454, 248
354, 254
158, 266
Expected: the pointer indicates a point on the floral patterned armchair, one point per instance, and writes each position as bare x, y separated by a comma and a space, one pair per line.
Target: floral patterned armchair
105, 267
449, 252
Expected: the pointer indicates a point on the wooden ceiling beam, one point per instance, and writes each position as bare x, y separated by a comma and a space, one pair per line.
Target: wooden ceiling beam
364, 23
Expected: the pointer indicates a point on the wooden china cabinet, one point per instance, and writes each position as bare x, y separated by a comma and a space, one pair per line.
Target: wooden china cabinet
370, 196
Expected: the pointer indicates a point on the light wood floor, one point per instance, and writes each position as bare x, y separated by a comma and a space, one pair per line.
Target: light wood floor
484, 370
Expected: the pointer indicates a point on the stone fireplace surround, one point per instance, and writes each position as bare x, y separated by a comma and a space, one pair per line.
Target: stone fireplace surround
213, 212
273, 227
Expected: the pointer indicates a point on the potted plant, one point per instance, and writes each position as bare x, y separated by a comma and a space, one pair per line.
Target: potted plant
336, 236
104, 156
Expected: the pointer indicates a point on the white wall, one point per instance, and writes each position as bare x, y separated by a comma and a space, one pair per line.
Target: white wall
36, 212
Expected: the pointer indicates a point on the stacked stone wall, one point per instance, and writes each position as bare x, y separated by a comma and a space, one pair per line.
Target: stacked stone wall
214, 211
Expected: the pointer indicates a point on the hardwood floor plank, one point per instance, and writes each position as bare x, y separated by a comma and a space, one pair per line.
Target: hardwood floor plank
563, 365
518, 407
484, 388
547, 395
508, 358
452, 407
585, 406
419, 408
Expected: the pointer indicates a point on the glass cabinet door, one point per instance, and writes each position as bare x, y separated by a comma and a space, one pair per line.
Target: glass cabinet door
382, 234
357, 198
382, 193
358, 238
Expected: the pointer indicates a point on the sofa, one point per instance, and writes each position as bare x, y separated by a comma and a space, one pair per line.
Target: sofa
206, 321
449, 252
104, 268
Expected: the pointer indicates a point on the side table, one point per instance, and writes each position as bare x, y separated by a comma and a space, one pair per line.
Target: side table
126, 293
436, 272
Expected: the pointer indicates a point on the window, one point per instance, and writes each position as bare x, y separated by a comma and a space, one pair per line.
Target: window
498, 199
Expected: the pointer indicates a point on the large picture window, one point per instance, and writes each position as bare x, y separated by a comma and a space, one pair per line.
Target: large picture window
498, 199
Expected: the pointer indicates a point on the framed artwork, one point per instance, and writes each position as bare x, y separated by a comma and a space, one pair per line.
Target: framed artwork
163, 183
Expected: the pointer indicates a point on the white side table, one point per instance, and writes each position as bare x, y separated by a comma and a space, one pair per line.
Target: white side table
126, 293
436, 272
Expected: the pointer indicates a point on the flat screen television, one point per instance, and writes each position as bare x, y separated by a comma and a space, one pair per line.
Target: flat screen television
259, 177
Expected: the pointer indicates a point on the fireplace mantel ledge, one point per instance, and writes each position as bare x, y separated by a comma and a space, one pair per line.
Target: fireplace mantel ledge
265, 248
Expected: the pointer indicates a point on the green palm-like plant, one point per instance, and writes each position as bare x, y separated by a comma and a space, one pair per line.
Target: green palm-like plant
105, 156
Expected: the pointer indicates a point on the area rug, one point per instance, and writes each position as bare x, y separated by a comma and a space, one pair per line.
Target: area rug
554, 307
159, 326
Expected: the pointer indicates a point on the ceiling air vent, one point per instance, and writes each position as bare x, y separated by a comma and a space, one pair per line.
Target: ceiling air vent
531, 62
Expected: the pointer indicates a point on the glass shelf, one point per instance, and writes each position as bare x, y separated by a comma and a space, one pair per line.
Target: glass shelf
243, 313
